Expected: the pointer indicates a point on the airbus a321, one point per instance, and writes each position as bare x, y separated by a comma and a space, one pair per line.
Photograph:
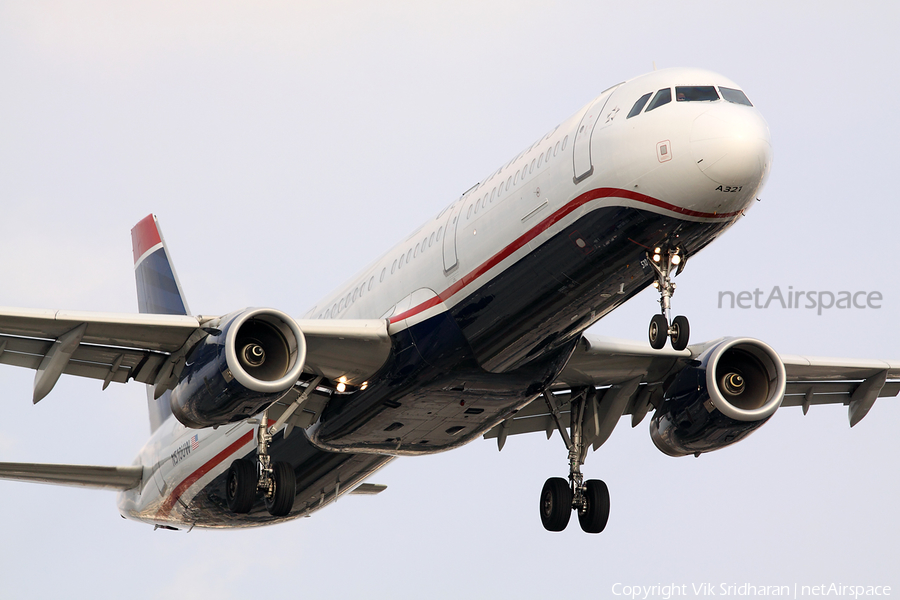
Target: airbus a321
473, 326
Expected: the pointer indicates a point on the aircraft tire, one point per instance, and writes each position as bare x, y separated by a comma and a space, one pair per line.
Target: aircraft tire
281, 500
658, 332
681, 332
556, 504
240, 486
595, 515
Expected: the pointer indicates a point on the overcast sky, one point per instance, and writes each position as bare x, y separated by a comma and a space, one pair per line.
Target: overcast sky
284, 145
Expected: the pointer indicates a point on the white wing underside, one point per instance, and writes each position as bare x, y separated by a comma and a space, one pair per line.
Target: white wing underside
120, 347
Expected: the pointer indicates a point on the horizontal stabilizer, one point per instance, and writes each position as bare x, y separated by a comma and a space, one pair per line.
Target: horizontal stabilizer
110, 478
369, 489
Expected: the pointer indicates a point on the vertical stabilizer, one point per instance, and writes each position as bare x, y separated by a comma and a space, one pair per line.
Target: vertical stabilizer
158, 289
158, 292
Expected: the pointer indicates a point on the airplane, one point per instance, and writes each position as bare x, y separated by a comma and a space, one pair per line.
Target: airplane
472, 327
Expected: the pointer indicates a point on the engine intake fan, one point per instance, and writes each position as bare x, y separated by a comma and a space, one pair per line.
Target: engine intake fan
722, 397
255, 356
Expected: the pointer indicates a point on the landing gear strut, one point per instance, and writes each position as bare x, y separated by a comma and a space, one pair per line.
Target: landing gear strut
662, 326
590, 499
276, 481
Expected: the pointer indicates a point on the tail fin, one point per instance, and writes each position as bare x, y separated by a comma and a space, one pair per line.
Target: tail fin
158, 292
158, 289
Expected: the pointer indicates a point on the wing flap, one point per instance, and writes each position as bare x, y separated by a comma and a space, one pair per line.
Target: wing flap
351, 348
830, 392
91, 361
601, 361
819, 368
111, 478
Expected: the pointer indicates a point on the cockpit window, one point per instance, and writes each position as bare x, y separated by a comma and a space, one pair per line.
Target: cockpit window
735, 96
663, 96
696, 93
639, 105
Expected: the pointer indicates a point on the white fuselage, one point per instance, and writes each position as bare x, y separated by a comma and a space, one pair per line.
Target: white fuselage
693, 161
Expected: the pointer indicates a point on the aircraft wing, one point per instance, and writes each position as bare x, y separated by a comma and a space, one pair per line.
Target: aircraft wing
144, 347
632, 375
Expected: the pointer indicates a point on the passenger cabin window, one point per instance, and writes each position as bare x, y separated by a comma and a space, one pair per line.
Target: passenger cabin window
734, 96
639, 105
663, 96
695, 93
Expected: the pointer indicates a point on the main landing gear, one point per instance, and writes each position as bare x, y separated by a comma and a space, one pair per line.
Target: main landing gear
590, 499
246, 477
662, 326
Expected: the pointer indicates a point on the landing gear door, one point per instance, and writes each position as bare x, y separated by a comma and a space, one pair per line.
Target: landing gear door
582, 146
451, 258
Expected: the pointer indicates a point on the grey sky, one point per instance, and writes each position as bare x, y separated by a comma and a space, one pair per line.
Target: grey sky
318, 134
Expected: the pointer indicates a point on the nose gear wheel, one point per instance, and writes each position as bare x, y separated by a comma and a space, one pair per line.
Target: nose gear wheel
662, 326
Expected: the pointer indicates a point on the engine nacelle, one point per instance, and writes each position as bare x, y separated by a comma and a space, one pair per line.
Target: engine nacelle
722, 397
248, 361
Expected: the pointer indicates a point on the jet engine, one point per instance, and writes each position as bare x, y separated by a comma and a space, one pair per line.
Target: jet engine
248, 360
720, 398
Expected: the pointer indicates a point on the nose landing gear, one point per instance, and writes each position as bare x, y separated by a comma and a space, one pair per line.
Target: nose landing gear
662, 326
590, 499
246, 478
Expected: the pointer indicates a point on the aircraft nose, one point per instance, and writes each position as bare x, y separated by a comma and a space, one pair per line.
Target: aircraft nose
731, 145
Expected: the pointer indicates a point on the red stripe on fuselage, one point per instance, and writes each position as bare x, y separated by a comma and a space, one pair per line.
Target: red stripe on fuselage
417, 309
543, 226
170, 501
144, 236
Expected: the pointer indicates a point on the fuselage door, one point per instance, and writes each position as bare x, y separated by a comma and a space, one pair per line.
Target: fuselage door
451, 259
582, 147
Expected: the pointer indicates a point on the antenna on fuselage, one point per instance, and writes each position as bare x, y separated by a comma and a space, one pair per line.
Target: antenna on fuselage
654, 65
